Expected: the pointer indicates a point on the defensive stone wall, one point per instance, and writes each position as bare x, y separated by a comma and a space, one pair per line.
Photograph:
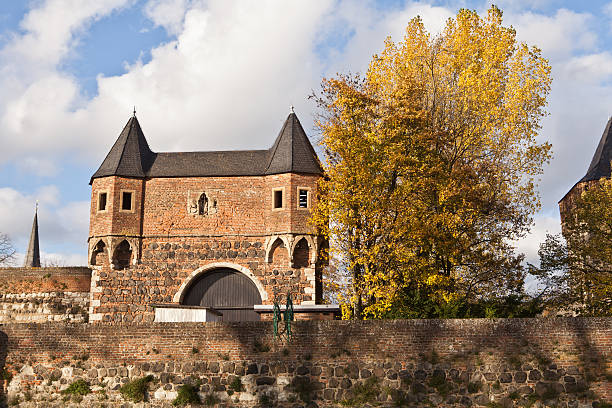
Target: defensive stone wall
563, 362
44, 294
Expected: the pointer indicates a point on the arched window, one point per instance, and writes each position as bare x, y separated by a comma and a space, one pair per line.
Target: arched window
203, 205
301, 254
122, 256
98, 255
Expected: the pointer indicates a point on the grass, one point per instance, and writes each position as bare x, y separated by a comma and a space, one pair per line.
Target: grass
5, 375
187, 394
210, 400
236, 385
260, 347
303, 387
136, 390
78, 387
474, 387
364, 393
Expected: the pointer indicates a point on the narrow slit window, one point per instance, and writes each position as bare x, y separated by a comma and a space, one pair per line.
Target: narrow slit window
278, 199
102, 202
303, 198
126, 203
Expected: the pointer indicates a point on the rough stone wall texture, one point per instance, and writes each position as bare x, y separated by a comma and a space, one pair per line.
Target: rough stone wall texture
562, 362
170, 240
44, 294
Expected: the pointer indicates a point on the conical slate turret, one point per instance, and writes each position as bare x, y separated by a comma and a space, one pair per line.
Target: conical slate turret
292, 151
32, 259
130, 156
600, 165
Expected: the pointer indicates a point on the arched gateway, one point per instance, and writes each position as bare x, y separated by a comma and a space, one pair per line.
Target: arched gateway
226, 290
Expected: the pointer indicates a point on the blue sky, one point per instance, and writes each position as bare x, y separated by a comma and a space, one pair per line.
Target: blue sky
222, 74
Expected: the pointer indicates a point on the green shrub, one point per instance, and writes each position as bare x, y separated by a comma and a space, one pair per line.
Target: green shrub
210, 400
187, 394
78, 387
135, 390
5, 375
260, 347
236, 385
474, 387
364, 393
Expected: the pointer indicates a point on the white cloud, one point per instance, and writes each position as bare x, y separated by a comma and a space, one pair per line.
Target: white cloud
61, 224
593, 68
559, 35
169, 14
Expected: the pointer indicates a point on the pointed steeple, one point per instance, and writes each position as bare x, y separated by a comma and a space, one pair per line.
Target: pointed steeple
600, 165
292, 151
130, 156
32, 259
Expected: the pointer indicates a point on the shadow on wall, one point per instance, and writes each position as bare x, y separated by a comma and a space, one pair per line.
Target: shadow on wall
4, 376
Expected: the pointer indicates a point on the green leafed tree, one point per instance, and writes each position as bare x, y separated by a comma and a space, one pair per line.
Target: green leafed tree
576, 267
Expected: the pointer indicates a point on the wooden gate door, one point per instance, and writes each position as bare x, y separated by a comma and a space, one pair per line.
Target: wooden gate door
226, 290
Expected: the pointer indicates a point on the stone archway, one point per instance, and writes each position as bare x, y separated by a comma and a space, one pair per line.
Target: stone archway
232, 289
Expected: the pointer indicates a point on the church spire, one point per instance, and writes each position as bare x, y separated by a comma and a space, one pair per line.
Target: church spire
32, 259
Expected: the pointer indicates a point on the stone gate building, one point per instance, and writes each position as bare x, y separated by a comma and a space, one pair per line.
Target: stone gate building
224, 229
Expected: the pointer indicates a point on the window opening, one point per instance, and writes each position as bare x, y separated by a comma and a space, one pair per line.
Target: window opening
303, 198
203, 205
278, 199
127, 201
102, 202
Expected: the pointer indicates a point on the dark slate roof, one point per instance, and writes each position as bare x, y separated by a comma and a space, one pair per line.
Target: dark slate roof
130, 156
32, 259
292, 151
600, 165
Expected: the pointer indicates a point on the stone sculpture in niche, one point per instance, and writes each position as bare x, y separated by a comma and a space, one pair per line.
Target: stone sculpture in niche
199, 203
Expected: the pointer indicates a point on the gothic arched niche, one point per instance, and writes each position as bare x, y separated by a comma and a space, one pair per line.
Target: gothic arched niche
279, 253
301, 254
122, 256
226, 290
98, 254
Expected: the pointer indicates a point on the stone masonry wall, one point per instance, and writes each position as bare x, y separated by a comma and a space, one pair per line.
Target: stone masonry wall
561, 362
126, 295
44, 294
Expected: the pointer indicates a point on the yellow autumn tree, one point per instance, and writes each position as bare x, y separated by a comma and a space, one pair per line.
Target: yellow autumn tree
431, 164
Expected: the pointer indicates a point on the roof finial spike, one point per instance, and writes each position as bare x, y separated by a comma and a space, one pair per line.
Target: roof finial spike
36, 210
134, 114
292, 110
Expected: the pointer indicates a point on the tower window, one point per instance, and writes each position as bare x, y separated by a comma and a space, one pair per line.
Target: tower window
278, 198
126, 200
302, 198
102, 201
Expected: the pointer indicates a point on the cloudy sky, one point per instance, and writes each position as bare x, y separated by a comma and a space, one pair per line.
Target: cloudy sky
222, 74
